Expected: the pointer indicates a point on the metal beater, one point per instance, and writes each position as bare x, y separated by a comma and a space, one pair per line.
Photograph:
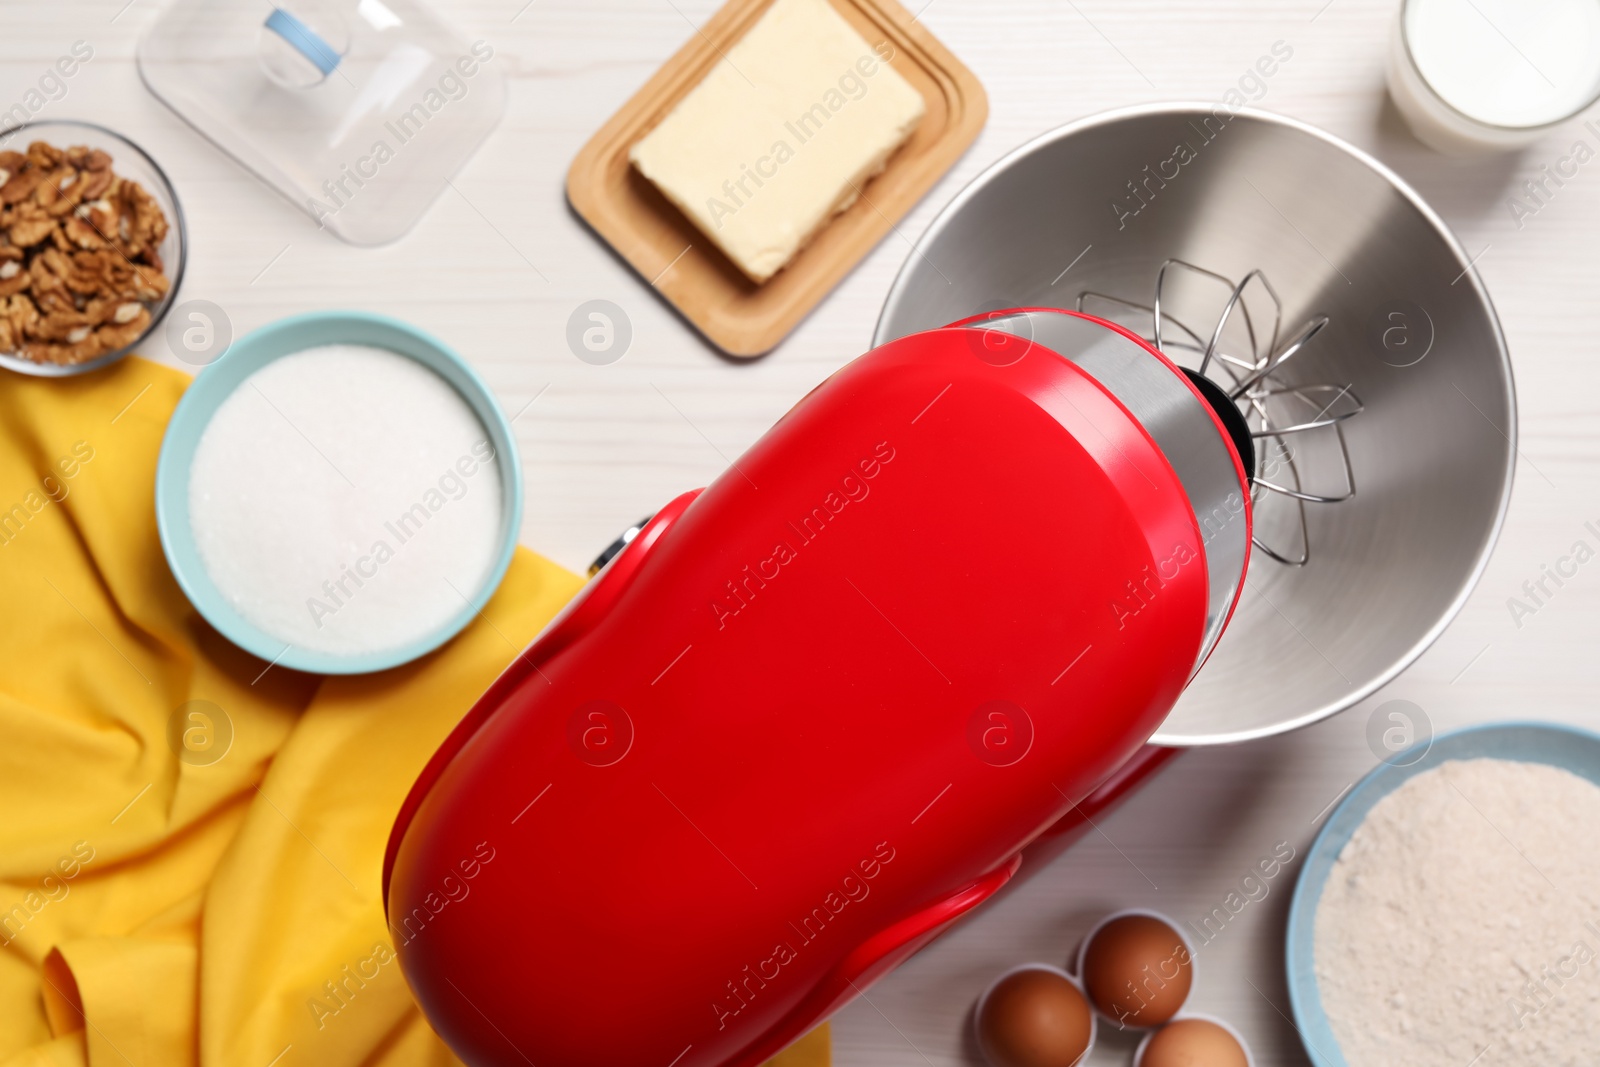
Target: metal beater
1270, 405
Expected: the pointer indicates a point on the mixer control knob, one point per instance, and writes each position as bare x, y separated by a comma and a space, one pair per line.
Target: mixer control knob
618, 545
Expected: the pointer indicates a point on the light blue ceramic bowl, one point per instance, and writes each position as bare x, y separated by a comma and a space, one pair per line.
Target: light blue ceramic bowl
214, 384
1566, 747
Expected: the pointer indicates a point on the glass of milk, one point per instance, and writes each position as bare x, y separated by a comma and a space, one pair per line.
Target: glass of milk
1474, 76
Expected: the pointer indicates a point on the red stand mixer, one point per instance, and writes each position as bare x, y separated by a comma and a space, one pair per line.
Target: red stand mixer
842, 716
812, 714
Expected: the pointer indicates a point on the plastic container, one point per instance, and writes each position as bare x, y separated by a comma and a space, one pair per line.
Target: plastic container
358, 111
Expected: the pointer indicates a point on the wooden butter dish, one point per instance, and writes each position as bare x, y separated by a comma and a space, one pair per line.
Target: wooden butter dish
737, 315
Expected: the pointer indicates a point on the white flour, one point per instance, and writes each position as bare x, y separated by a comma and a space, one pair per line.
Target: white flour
345, 500
1461, 924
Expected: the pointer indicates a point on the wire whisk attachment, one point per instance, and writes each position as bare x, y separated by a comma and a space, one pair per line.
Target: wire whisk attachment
1246, 362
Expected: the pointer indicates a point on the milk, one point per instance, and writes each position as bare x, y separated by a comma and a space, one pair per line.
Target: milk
1487, 74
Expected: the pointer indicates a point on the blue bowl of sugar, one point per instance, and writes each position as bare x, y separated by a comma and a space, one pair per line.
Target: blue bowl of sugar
338, 493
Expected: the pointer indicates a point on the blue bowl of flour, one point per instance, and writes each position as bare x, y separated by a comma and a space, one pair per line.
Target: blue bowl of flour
374, 565
1566, 747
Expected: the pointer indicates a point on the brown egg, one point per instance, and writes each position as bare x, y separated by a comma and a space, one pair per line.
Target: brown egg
1034, 1018
1137, 971
1192, 1043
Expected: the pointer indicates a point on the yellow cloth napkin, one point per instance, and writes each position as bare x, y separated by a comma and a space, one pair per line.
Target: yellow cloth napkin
191, 843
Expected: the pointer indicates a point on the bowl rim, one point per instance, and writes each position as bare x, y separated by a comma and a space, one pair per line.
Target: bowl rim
243, 358
1481, 740
158, 312
899, 293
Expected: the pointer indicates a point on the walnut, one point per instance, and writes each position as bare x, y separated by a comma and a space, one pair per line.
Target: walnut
150, 285
143, 224
79, 232
46, 279
57, 342
30, 230
61, 191
90, 226
17, 314
60, 326
79, 255
122, 332
64, 354
95, 184
20, 185
44, 155
86, 158
83, 273
13, 279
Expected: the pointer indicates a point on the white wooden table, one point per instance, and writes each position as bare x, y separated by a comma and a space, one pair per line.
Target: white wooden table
604, 445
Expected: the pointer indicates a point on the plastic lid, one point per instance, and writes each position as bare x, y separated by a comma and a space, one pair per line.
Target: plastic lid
358, 111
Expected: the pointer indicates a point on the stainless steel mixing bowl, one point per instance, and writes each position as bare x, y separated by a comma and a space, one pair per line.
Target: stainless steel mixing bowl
1100, 204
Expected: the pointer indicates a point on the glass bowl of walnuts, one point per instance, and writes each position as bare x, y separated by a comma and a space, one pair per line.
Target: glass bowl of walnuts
92, 247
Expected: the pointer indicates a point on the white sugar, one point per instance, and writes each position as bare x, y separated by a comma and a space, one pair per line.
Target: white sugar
1461, 923
345, 500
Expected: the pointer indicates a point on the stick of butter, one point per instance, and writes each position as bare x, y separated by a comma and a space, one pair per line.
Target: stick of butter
781, 135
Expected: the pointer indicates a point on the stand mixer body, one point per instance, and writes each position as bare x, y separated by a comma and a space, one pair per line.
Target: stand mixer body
757, 763
815, 712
